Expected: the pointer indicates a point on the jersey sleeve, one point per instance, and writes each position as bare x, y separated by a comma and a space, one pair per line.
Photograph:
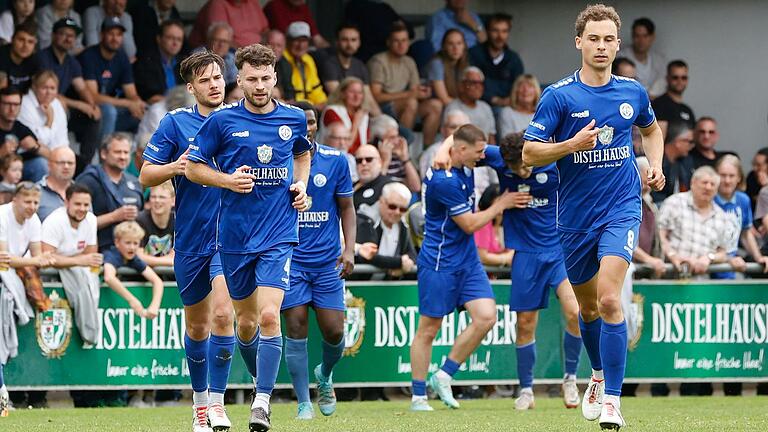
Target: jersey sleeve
163, 145
646, 116
448, 192
207, 141
493, 158
344, 182
746, 212
546, 119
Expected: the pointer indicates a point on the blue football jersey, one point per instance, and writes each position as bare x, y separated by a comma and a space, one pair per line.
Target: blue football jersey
603, 184
197, 206
532, 229
232, 137
320, 225
446, 194
739, 210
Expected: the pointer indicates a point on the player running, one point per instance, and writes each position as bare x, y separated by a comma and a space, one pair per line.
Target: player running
209, 340
450, 274
599, 195
319, 263
262, 152
537, 264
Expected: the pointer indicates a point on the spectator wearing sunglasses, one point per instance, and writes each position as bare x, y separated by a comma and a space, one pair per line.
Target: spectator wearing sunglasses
670, 107
395, 251
371, 181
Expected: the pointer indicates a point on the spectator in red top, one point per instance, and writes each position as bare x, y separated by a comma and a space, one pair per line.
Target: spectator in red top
281, 13
350, 105
245, 16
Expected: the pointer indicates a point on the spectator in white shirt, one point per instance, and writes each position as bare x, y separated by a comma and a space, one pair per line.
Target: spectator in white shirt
43, 113
69, 232
20, 218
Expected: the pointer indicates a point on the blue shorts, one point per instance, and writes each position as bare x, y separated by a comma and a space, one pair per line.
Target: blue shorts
194, 274
323, 289
583, 251
245, 272
440, 292
533, 275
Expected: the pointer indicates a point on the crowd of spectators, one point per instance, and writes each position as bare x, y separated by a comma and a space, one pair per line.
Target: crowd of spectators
80, 94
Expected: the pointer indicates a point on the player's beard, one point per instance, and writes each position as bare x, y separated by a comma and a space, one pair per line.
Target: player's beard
252, 99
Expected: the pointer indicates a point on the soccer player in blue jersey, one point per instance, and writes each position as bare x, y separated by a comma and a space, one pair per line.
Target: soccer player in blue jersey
319, 263
589, 116
450, 274
209, 340
262, 152
537, 265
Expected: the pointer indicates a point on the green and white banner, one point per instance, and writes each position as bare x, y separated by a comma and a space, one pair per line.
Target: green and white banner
710, 331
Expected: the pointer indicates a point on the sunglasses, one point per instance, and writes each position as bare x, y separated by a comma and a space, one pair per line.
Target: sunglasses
396, 207
27, 185
368, 159
680, 77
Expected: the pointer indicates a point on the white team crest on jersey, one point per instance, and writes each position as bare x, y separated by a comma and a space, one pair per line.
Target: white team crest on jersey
605, 135
319, 180
542, 178
264, 153
309, 202
626, 110
285, 132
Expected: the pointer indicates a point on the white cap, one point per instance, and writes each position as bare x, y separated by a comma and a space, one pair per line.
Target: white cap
298, 29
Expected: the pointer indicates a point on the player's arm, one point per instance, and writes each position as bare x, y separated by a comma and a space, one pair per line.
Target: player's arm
153, 175
470, 222
110, 278
538, 153
157, 292
240, 181
301, 165
653, 146
349, 229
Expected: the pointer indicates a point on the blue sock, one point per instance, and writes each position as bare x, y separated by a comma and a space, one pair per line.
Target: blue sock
572, 349
590, 336
613, 339
249, 350
331, 355
419, 388
220, 350
450, 367
197, 352
526, 359
270, 351
297, 362
2, 379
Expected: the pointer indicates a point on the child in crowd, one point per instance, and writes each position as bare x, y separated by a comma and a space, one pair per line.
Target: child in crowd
128, 236
11, 168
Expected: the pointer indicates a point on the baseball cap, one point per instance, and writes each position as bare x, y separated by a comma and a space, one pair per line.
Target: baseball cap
298, 29
67, 22
110, 23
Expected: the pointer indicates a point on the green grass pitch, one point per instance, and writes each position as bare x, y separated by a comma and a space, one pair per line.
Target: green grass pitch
642, 414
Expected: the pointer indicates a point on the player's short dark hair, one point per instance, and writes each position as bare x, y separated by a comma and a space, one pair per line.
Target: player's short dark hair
511, 146
676, 64
346, 26
644, 22
196, 63
468, 134
306, 106
76, 188
29, 27
170, 23
499, 17
596, 12
620, 61
675, 129
397, 27
256, 55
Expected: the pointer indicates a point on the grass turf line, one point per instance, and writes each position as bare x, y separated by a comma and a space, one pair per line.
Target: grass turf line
642, 414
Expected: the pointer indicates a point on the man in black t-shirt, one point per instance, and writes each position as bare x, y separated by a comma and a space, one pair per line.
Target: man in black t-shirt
17, 59
158, 221
343, 63
34, 154
669, 107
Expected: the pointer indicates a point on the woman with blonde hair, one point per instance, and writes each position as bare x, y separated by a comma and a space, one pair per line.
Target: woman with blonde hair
350, 105
525, 95
444, 70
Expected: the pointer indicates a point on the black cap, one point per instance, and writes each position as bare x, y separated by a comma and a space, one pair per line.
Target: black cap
110, 23
67, 22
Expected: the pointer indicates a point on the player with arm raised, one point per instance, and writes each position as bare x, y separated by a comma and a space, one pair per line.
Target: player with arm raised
318, 267
589, 115
209, 341
262, 152
450, 274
